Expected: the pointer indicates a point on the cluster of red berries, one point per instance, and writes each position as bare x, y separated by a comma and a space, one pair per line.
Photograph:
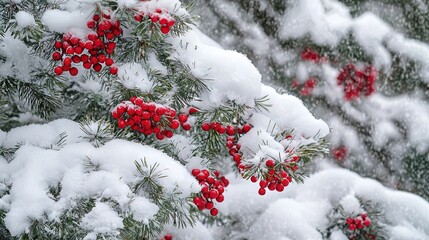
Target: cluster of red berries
222, 129
359, 222
339, 153
167, 237
357, 81
312, 56
232, 139
160, 16
212, 189
276, 177
306, 88
149, 118
97, 47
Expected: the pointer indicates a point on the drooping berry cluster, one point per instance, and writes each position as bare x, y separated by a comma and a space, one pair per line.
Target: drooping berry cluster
149, 118
92, 52
356, 81
233, 136
167, 237
339, 153
212, 187
306, 88
160, 16
276, 177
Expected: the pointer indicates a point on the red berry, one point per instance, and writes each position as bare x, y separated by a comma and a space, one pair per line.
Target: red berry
168, 237
205, 126
151, 107
96, 17
195, 172
171, 22
367, 222
110, 35
263, 184
58, 70
186, 126
154, 18
253, 179
87, 65
220, 198
74, 40
269, 163
67, 61
84, 58
230, 130
280, 188
109, 62
182, 118
111, 45
76, 59
138, 17
246, 128
174, 124
97, 67
352, 227
113, 70
214, 212
89, 45
58, 45
163, 21
78, 50
73, 71
213, 193
192, 110
159, 136
236, 157
70, 50
272, 186
165, 29
90, 24
56, 56
201, 176
121, 123
262, 191
209, 205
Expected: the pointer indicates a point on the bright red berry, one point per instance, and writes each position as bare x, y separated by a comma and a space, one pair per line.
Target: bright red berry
214, 212
113, 70
58, 70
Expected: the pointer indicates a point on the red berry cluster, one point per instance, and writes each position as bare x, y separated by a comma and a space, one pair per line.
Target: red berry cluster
339, 153
212, 188
161, 16
307, 87
167, 237
357, 81
276, 177
97, 47
149, 118
359, 223
312, 56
